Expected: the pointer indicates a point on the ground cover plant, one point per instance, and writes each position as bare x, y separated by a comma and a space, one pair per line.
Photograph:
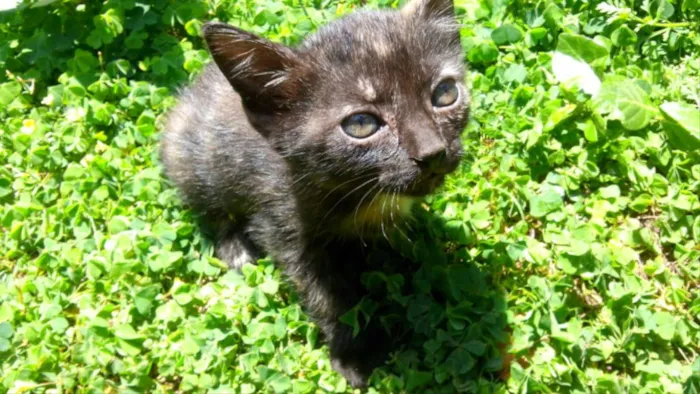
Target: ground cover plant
563, 257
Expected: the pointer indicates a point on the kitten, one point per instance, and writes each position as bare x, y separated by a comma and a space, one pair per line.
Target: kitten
299, 152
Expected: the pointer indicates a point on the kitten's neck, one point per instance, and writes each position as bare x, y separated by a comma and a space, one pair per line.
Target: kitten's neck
350, 216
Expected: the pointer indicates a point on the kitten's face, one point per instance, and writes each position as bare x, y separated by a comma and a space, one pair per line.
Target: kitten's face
389, 101
372, 101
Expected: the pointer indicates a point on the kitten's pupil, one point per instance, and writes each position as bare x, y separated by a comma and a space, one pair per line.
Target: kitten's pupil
446, 93
360, 125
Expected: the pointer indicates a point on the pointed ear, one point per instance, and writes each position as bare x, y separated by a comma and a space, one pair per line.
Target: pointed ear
263, 73
429, 9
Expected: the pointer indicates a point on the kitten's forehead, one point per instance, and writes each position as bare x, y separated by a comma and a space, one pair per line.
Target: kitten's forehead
367, 89
374, 48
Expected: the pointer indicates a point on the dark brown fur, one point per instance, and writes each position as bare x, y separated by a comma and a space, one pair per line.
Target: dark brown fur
268, 162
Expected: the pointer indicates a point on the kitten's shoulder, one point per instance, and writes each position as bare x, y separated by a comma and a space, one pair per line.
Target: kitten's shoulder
208, 114
209, 97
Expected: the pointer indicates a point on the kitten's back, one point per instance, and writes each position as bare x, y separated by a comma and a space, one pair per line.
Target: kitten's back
210, 150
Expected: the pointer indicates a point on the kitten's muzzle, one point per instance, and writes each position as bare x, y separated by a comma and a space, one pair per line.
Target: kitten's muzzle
437, 165
434, 164
432, 174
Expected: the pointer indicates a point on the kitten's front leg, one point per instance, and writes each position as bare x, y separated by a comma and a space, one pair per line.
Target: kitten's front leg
330, 287
327, 277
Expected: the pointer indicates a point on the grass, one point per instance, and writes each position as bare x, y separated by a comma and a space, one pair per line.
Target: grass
563, 257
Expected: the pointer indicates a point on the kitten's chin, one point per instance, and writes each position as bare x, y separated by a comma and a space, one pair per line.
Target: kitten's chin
383, 210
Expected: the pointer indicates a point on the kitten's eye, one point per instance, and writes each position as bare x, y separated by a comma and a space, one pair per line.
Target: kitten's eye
446, 93
360, 125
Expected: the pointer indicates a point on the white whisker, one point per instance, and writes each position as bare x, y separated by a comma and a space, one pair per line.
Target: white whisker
357, 209
346, 196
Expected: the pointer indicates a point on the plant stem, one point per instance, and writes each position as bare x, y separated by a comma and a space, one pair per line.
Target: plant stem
674, 24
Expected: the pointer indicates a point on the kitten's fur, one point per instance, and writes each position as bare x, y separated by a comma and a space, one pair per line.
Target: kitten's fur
268, 162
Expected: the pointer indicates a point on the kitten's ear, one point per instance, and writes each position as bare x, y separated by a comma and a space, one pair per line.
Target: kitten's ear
429, 8
263, 73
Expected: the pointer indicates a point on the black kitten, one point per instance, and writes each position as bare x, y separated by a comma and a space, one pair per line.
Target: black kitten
298, 152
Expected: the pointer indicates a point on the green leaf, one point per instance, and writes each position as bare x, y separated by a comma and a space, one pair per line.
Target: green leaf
544, 203
59, 324
515, 73
164, 260
583, 49
130, 348
8, 92
249, 361
641, 203
5, 187
665, 325
118, 224
145, 299
624, 36
165, 232
484, 53
506, 34
170, 311
416, 379
627, 101
460, 362
459, 232
74, 172
259, 298
189, 346
476, 347
6, 330
590, 131
351, 319
194, 27
279, 383
127, 332
270, 286
682, 125
611, 192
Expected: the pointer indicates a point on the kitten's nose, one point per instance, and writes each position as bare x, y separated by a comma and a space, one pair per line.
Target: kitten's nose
433, 160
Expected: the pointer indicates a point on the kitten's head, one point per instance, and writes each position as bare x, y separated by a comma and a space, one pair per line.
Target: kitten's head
374, 100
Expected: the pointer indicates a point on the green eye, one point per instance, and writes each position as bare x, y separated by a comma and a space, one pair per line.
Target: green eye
360, 125
445, 94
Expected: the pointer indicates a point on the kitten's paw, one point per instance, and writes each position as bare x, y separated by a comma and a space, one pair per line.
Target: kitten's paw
353, 371
356, 357
236, 250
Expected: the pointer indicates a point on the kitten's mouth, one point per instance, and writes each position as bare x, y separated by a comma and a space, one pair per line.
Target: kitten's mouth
425, 185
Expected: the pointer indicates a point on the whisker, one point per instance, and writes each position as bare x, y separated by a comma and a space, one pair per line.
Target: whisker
357, 178
346, 196
362, 227
391, 206
393, 222
398, 227
382, 225
362, 199
357, 209
296, 181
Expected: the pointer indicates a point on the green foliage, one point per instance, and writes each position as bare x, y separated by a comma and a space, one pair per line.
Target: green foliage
562, 257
